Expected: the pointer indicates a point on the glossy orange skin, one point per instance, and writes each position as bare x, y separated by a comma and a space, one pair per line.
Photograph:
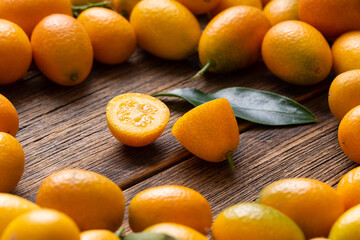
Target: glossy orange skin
232, 40
12, 162
331, 17
209, 131
281, 10
42, 224
346, 52
349, 188
225, 4
112, 36
245, 221
90, 199
177, 231
347, 226
199, 6
344, 93
349, 134
9, 119
313, 205
15, 51
12, 206
27, 14
62, 49
297, 53
166, 28
98, 235
170, 203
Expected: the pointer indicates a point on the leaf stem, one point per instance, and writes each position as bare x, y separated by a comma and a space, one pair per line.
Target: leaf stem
200, 73
90, 5
230, 159
78, 9
119, 232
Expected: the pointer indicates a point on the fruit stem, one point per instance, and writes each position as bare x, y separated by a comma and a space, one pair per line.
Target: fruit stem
200, 73
74, 77
230, 159
119, 232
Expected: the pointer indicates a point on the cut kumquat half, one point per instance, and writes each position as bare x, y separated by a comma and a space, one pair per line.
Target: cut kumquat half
136, 119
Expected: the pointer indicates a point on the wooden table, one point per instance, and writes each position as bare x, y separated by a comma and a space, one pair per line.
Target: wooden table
65, 127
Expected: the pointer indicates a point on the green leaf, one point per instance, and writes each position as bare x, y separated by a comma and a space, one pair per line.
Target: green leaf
147, 236
252, 105
78, 9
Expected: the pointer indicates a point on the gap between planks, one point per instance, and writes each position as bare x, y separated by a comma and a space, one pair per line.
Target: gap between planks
264, 156
185, 155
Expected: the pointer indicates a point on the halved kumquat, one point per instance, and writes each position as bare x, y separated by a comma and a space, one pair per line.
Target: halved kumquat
136, 119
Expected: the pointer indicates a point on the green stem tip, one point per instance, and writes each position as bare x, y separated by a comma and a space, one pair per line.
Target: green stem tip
200, 73
119, 232
230, 159
74, 77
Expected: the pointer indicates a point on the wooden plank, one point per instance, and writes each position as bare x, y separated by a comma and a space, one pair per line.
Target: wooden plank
65, 127
265, 155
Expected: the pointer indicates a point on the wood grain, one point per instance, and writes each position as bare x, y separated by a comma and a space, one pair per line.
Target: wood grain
63, 127
265, 155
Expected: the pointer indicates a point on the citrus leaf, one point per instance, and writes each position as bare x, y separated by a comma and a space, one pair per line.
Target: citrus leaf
147, 236
253, 105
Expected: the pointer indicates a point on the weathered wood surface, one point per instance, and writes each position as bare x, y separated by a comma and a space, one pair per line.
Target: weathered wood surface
65, 127
264, 156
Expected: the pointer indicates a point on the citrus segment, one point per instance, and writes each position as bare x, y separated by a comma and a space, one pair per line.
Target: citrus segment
136, 119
